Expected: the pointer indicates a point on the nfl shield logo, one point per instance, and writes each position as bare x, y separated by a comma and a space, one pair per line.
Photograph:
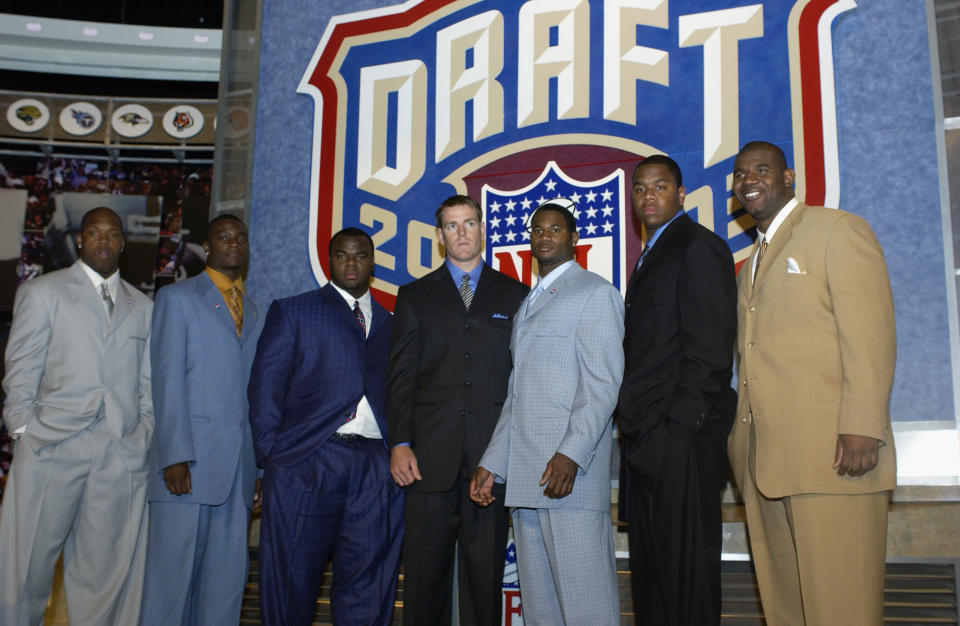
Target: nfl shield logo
597, 206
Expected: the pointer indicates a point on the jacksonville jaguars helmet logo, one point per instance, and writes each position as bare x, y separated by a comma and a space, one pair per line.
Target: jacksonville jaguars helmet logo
28, 114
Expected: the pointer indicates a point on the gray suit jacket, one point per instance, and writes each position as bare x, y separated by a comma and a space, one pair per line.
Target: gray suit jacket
567, 366
65, 362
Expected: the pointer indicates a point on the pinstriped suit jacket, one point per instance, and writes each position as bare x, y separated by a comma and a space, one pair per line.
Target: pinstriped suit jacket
567, 365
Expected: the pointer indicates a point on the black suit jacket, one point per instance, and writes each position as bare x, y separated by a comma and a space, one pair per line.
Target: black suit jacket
448, 370
680, 327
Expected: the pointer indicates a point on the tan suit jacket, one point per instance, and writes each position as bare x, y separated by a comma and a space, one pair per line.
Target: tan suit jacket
816, 351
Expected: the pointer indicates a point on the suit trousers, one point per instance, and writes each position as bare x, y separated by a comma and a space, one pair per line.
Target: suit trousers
567, 567
434, 524
676, 532
820, 558
85, 496
339, 501
197, 562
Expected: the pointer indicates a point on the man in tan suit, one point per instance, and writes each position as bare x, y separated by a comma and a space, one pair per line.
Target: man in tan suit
811, 448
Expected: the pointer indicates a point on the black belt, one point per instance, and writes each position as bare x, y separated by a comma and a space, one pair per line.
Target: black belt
350, 437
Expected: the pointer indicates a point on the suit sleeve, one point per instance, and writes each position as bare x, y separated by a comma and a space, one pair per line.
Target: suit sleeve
26, 356
599, 346
402, 367
863, 308
147, 414
707, 308
173, 436
269, 379
496, 458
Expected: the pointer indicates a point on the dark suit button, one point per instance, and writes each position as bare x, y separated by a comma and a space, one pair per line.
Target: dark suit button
466, 355
463, 413
467, 325
466, 383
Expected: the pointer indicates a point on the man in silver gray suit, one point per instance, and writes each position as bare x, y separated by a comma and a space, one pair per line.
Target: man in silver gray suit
552, 444
78, 399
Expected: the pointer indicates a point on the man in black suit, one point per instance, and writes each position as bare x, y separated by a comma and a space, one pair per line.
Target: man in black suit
676, 406
446, 382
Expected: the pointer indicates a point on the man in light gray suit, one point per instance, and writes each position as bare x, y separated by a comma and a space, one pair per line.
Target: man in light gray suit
552, 444
78, 399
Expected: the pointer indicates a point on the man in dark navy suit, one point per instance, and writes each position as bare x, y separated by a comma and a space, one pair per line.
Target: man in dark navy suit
317, 411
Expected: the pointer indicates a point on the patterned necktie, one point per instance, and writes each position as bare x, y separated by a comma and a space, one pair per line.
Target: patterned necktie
643, 255
360, 318
763, 249
235, 304
465, 292
107, 300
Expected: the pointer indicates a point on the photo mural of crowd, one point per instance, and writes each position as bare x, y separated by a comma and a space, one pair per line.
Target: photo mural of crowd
164, 207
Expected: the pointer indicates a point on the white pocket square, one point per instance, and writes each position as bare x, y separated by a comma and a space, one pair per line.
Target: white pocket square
793, 267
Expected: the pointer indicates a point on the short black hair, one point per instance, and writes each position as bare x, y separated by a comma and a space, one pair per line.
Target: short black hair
86, 216
667, 162
217, 218
458, 201
571, 222
349, 232
777, 152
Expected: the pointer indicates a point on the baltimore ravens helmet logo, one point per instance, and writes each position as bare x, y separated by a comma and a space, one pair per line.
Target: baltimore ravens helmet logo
182, 120
29, 114
133, 118
82, 118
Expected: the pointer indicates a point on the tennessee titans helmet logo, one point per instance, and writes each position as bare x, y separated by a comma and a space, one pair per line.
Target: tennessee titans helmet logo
82, 118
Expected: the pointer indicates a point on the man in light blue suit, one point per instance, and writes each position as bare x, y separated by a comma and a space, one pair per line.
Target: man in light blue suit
202, 469
552, 444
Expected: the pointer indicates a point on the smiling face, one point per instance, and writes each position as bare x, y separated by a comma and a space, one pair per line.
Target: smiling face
656, 195
762, 183
101, 240
461, 232
351, 264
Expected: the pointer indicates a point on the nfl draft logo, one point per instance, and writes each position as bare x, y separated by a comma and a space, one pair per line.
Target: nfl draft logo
516, 103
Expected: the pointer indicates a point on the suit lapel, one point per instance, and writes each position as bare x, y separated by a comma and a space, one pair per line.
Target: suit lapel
122, 307
343, 309
554, 291
87, 296
212, 297
776, 246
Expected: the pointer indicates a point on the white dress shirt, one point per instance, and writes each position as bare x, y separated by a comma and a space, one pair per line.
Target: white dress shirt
774, 226
364, 424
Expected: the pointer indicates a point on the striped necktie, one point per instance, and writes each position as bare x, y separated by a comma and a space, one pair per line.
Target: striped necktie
465, 292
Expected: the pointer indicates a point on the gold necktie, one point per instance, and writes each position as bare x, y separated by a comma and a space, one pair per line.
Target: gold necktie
235, 304
763, 248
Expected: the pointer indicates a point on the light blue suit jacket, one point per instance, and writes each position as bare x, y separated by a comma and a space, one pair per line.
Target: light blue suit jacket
200, 373
567, 366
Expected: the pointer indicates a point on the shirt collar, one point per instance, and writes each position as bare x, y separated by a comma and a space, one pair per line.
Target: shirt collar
457, 274
778, 219
656, 234
113, 280
222, 281
364, 300
549, 279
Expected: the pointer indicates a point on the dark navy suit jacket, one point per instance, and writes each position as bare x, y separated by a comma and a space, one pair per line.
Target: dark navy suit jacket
311, 369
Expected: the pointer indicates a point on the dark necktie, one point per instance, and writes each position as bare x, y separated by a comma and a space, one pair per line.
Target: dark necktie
108, 301
465, 292
643, 255
360, 318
